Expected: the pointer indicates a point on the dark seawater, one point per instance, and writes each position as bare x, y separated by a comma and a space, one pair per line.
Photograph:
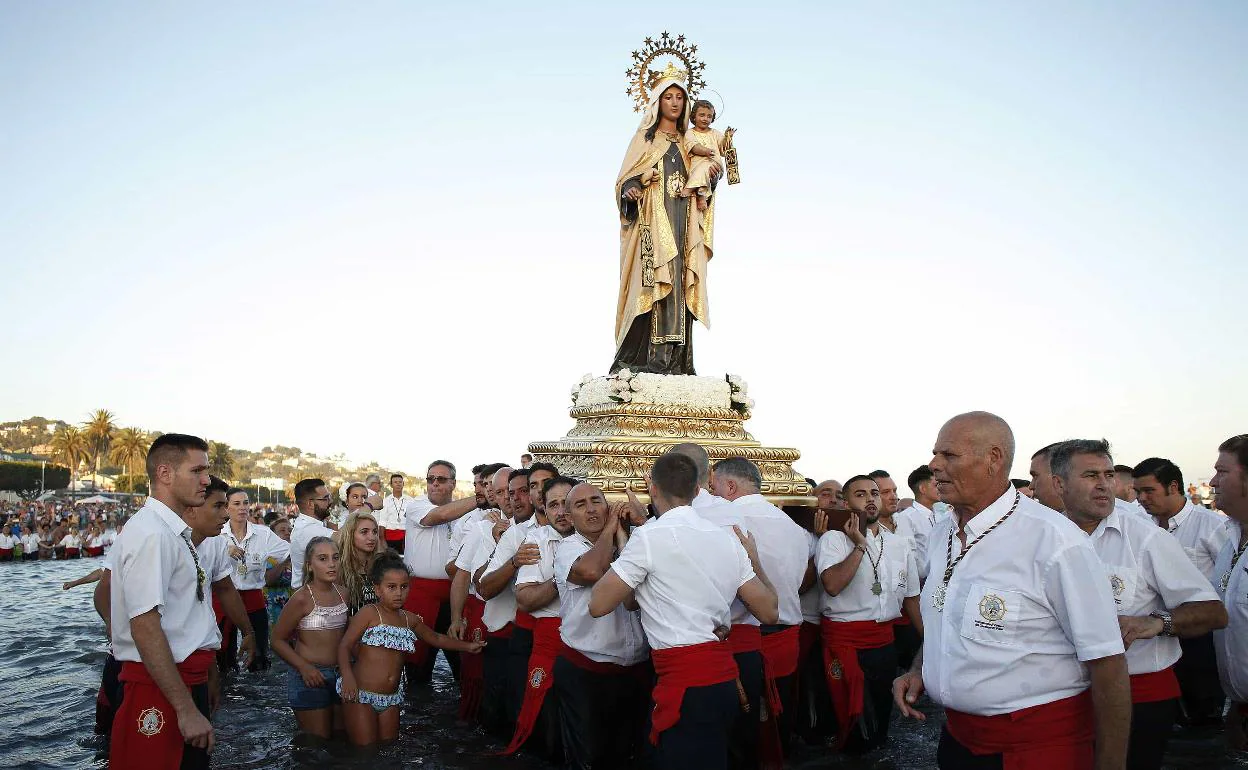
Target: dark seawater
52, 647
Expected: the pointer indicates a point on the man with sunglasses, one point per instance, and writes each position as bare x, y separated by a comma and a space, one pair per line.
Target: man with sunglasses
313, 499
426, 549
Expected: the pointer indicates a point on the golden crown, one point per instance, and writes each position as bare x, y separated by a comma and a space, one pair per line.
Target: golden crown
642, 79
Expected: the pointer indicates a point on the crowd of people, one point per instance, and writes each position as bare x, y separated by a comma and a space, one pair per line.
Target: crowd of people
1100, 609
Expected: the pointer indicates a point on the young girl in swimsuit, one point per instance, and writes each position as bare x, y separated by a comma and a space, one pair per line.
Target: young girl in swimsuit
318, 614
380, 636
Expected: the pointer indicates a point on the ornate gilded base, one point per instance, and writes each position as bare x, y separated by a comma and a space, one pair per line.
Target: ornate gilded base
614, 445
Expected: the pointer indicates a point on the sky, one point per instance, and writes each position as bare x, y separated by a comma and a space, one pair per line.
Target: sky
386, 228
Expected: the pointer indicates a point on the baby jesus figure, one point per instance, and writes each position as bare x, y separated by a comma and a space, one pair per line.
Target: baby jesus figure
706, 146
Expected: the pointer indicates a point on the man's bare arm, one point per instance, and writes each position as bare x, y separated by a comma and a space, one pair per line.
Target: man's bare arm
153, 647
449, 512
531, 597
459, 595
1111, 704
103, 600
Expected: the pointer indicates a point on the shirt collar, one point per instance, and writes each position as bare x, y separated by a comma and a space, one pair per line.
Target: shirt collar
1179, 517
753, 499
225, 530
679, 512
171, 520
989, 516
1112, 521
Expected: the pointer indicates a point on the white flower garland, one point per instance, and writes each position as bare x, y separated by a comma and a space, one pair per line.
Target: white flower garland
627, 387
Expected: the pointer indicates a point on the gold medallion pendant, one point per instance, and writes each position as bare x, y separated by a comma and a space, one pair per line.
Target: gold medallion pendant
938, 597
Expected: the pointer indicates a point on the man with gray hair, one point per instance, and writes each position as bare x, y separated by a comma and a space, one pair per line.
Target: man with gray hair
1160, 594
702, 461
766, 656
1021, 645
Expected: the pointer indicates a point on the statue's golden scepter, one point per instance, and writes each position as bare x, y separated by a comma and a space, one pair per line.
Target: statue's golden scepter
730, 156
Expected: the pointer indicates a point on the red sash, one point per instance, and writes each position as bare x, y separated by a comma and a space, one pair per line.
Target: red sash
6, 553
393, 535
745, 638
471, 667
525, 620
678, 669
145, 732
841, 642
780, 653
92, 550
253, 600
547, 645
1157, 686
425, 597
71, 553
1057, 734
901, 620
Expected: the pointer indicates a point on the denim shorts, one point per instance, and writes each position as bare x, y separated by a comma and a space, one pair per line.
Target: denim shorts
304, 698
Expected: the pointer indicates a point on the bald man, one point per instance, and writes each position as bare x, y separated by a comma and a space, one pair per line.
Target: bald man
1021, 645
702, 461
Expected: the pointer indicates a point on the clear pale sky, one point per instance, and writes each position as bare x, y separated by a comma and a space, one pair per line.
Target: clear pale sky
387, 229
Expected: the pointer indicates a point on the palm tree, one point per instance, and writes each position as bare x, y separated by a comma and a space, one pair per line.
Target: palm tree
99, 433
70, 446
220, 462
129, 447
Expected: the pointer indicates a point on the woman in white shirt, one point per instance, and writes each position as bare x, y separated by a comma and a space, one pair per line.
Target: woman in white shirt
6, 544
95, 541
71, 543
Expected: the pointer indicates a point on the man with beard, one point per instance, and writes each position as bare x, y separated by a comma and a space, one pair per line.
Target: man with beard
313, 499
1230, 495
165, 635
1203, 534
1160, 595
602, 674
426, 549
869, 578
683, 572
766, 656
538, 598
392, 516
888, 499
1044, 689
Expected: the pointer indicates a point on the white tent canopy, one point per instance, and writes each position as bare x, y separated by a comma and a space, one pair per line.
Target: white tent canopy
94, 500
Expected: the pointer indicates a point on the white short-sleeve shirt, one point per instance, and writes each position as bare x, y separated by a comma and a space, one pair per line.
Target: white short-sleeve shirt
894, 567
258, 544
302, 530
685, 572
473, 552
613, 638
1229, 643
547, 540
393, 513
501, 610
1201, 532
1023, 611
783, 547
460, 529
1148, 572
426, 549
154, 568
705, 499
916, 523
214, 558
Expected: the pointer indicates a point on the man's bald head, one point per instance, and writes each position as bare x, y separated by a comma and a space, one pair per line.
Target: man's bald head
971, 460
700, 459
985, 432
498, 488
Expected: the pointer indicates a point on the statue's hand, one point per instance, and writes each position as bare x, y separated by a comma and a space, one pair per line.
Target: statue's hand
632, 194
648, 175
715, 168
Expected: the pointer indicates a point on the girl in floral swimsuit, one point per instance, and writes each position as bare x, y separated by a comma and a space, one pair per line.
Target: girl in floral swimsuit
379, 637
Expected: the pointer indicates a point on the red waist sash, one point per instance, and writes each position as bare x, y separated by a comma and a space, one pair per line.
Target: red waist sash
584, 662
780, 651
71, 552
547, 645
1157, 686
6, 551
253, 599
425, 597
525, 620
145, 733
678, 669
1057, 734
745, 638
394, 534
472, 667
95, 550
841, 642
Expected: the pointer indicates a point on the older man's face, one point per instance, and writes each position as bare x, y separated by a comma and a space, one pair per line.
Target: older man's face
959, 468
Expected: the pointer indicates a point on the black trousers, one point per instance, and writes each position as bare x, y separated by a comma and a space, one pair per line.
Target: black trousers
227, 656
908, 643
743, 744
879, 666
1151, 725
423, 674
519, 648
700, 739
493, 713
1202, 699
602, 717
951, 755
109, 698
812, 718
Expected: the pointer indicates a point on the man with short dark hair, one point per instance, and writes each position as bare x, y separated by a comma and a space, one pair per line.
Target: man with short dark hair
526, 460
392, 516
164, 634
917, 521
683, 572
1160, 595
1203, 534
1124, 490
1042, 490
888, 498
702, 461
1230, 495
313, 499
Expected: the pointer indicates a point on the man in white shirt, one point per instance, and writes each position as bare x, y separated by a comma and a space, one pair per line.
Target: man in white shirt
870, 577
1230, 490
249, 546
313, 499
917, 521
537, 598
428, 520
767, 655
1021, 645
603, 674
888, 498
1124, 488
1042, 489
1202, 533
1160, 595
702, 461
392, 517
165, 633
683, 572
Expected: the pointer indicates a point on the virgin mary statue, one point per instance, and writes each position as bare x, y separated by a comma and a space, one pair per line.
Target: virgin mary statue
663, 254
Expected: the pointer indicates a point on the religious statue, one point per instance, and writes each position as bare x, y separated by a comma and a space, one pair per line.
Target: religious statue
666, 215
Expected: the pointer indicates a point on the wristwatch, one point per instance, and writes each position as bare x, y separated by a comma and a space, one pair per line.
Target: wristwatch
1167, 622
